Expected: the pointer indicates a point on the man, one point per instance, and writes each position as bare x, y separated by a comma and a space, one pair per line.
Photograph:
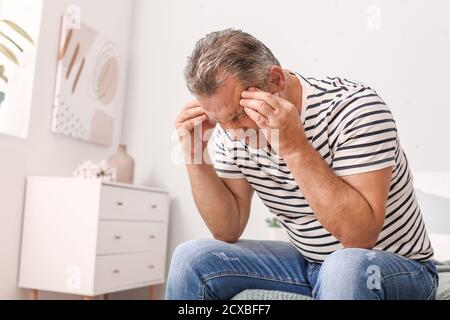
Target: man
332, 171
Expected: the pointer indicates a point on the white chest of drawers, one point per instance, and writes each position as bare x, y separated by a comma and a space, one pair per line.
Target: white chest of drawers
91, 238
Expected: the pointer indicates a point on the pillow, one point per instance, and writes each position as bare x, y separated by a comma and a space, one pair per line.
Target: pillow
441, 246
433, 194
436, 212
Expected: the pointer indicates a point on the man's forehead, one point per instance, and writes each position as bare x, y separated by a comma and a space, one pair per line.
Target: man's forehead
221, 107
225, 114
224, 104
214, 104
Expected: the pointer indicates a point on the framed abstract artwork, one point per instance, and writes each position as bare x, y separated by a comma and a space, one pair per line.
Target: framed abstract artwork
85, 104
19, 32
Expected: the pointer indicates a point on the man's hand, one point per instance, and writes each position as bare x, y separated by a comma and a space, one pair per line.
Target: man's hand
278, 118
224, 204
352, 209
193, 128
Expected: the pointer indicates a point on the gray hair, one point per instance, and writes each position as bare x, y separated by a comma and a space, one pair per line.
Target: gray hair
228, 53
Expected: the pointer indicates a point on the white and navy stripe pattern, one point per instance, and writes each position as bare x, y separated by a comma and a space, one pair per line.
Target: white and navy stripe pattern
354, 132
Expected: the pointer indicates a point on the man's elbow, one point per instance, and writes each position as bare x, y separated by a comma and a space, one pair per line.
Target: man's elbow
226, 238
368, 243
365, 237
358, 245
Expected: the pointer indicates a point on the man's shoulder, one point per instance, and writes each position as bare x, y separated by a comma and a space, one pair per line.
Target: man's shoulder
352, 96
335, 92
340, 103
331, 83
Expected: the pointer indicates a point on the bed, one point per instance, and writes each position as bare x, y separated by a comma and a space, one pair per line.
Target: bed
433, 193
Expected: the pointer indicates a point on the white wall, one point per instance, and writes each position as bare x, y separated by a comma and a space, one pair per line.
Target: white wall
44, 153
406, 61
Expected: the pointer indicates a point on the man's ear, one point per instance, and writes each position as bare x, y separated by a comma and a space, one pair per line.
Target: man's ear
277, 80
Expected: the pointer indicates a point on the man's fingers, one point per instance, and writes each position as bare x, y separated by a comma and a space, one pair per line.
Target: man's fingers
190, 113
267, 97
257, 117
197, 120
191, 123
259, 106
188, 126
192, 104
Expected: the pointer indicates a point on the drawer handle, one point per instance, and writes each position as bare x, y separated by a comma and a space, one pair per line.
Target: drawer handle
116, 271
152, 236
151, 266
119, 203
117, 237
154, 206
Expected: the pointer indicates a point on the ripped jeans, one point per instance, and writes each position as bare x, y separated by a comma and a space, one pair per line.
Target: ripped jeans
210, 269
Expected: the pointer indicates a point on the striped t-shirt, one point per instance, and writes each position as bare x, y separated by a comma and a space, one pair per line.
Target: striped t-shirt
354, 132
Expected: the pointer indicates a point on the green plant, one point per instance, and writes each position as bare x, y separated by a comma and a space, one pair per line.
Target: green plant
273, 223
6, 51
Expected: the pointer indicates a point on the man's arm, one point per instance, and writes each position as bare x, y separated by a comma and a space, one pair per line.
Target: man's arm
352, 208
224, 204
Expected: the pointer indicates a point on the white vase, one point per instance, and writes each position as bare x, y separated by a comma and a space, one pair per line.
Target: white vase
124, 165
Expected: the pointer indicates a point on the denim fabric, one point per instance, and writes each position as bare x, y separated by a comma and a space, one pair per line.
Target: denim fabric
210, 269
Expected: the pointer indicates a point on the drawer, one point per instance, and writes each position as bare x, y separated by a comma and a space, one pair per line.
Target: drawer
118, 271
116, 237
131, 204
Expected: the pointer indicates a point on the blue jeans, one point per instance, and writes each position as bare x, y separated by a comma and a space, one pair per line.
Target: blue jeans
211, 269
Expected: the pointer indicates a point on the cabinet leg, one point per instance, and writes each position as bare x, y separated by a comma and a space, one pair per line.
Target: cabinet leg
152, 293
34, 294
